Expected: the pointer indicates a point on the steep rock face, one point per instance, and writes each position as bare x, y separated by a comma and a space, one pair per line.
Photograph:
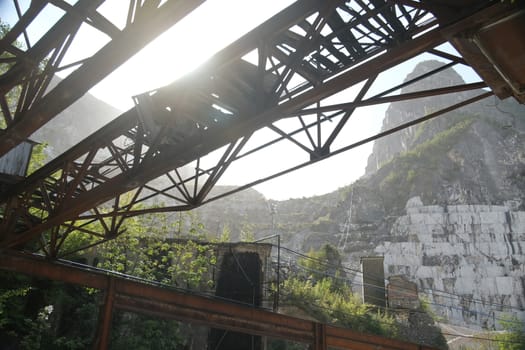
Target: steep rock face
243, 211
504, 113
386, 148
249, 211
463, 177
468, 168
467, 259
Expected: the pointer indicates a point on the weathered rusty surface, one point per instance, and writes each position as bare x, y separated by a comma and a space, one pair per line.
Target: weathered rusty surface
146, 298
502, 44
320, 337
494, 47
402, 293
341, 338
106, 315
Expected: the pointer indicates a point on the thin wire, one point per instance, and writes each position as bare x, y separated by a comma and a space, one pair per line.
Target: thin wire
481, 313
444, 333
427, 291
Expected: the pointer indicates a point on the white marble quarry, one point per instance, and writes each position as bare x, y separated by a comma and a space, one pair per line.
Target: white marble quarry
468, 260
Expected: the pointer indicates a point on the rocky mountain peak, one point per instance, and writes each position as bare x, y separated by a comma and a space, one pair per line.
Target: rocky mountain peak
401, 112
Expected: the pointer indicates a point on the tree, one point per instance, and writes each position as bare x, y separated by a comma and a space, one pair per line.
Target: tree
38, 158
247, 234
40, 314
325, 263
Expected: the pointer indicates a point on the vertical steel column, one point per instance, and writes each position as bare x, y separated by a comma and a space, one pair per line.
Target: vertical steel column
278, 271
320, 337
106, 314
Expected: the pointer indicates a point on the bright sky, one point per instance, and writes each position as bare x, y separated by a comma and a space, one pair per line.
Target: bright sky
213, 26
208, 29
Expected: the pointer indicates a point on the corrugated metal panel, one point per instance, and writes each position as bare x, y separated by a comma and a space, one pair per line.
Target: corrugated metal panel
15, 162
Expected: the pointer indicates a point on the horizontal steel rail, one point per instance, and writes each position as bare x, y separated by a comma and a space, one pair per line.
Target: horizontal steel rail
131, 295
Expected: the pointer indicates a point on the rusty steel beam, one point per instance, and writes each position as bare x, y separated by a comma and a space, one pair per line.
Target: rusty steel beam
339, 151
127, 294
106, 315
339, 338
320, 337
167, 208
157, 161
495, 49
148, 24
212, 313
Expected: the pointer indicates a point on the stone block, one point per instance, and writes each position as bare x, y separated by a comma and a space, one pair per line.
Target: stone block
504, 284
418, 219
414, 210
492, 217
432, 209
473, 250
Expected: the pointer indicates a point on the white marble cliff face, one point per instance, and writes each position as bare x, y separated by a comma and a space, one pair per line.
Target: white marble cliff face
468, 260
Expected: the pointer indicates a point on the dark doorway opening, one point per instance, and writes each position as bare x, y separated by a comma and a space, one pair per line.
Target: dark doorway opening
240, 280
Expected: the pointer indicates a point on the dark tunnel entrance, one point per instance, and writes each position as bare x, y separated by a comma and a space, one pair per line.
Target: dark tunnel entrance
240, 279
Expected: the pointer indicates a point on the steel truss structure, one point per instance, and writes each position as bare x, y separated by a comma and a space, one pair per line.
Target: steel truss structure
26, 100
179, 140
135, 296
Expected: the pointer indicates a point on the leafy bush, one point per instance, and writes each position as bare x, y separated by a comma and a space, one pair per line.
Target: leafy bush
336, 305
514, 336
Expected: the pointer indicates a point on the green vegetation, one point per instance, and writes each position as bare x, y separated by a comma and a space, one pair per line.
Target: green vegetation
52, 315
330, 302
514, 336
323, 263
247, 233
323, 292
414, 170
37, 314
143, 251
134, 331
38, 158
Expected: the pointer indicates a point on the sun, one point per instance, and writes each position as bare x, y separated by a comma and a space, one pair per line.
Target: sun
184, 47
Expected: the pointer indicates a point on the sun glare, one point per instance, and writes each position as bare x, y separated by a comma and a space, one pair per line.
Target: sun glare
185, 46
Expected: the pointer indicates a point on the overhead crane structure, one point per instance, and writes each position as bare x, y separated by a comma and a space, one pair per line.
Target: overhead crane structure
309, 52
33, 65
179, 140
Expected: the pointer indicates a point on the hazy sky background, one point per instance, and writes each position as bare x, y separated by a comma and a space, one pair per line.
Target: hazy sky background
190, 42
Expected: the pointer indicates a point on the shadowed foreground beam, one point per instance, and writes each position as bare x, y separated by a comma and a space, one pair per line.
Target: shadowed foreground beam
138, 296
126, 44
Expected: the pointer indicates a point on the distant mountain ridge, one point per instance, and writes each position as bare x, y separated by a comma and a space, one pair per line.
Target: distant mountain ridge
81, 119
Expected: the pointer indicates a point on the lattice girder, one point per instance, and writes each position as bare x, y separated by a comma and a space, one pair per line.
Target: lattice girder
216, 110
27, 100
